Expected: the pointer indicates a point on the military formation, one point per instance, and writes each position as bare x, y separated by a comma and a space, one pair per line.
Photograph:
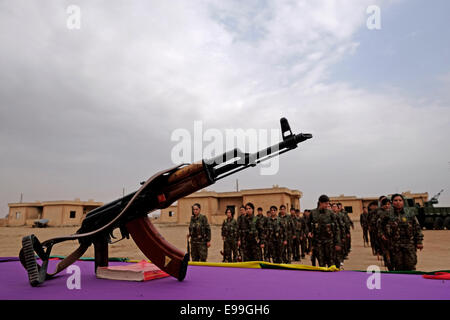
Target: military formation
394, 233
323, 233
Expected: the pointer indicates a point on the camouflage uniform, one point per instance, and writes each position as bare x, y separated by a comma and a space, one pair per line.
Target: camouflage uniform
308, 227
403, 234
275, 237
299, 231
230, 235
347, 238
241, 227
303, 237
383, 219
200, 234
373, 231
249, 235
286, 225
364, 221
296, 232
342, 229
261, 226
326, 235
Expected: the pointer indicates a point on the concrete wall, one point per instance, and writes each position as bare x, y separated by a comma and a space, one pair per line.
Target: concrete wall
18, 215
57, 212
209, 207
60, 214
213, 204
265, 201
67, 220
229, 201
166, 218
54, 214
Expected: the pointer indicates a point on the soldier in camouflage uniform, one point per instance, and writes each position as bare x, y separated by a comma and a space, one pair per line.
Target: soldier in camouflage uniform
275, 235
261, 225
364, 221
342, 228
383, 217
296, 234
403, 233
307, 217
229, 237
241, 227
348, 236
286, 225
250, 235
266, 244
298, 225
373, 233
303, 233
325, 233
200, 234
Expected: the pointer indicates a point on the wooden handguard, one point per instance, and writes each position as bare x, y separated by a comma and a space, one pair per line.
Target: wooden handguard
183, 182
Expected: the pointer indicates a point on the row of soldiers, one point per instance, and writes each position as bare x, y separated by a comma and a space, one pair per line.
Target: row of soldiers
281, 238
324, 233
276, 236
395, 233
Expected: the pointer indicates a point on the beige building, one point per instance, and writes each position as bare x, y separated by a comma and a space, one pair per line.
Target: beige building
213, 204
354, 205
59, 213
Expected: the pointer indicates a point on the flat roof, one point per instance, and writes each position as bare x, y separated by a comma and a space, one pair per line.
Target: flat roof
56, 203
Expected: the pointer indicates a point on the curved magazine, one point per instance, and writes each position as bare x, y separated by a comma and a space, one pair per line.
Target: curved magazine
160, 252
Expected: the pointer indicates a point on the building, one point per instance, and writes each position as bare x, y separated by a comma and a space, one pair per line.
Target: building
354, 205
213, 204
59, 213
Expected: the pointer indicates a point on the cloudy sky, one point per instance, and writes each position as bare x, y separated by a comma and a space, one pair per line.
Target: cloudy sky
87, 112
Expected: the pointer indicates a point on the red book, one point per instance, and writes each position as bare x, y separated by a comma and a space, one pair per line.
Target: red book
141, 271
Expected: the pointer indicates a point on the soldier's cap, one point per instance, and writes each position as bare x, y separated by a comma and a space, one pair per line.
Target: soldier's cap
324, 198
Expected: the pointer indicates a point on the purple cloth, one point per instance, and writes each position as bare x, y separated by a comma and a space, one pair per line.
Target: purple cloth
214, 283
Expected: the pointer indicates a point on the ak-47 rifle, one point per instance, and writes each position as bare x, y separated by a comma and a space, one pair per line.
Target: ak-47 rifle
129, 213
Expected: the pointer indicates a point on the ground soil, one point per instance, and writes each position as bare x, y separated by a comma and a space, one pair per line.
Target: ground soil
434, 256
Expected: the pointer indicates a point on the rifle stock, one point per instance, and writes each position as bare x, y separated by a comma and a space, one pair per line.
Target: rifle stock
129, 213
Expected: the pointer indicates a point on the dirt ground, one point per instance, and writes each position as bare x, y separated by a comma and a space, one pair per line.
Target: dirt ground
434, 256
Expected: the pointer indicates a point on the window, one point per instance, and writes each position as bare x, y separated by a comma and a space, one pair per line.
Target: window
171, 213
349, 209
18, 215
72, 214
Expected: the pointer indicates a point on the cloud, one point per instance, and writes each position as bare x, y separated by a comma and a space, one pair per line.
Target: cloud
86, 112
